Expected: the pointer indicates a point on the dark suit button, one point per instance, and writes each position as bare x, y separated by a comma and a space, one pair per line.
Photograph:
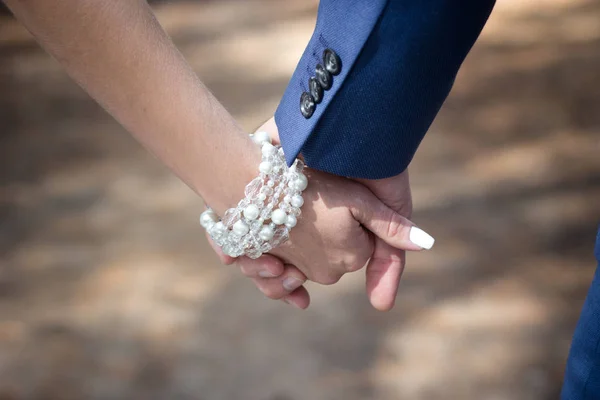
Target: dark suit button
316, 91
323, 77
332, 61
307, 105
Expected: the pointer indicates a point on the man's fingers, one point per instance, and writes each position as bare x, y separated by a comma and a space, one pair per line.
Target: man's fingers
266, 266
383, 273
388, 225
276, 288
298, 298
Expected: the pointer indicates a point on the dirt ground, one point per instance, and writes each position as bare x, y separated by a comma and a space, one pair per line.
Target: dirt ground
108, 289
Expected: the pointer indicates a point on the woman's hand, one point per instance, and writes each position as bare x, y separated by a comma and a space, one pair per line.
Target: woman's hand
341, 222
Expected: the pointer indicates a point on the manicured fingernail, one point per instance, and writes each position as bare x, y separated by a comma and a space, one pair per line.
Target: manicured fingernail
290, 283
266, 274
421, 238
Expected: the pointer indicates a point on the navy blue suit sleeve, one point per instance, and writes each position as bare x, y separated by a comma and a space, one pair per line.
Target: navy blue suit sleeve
399, 61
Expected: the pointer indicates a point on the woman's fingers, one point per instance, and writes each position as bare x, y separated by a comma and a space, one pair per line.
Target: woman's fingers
276, 288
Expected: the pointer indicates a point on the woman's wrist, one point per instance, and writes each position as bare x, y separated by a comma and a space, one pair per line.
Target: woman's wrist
262, 220
139, 77
222, 185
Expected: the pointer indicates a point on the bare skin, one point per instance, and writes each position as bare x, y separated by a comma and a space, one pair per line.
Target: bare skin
120, 55
385, 264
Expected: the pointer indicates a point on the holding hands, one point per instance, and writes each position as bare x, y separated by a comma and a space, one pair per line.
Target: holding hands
139, 77
344, 225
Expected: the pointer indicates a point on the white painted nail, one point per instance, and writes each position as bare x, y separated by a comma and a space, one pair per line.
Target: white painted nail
421, 238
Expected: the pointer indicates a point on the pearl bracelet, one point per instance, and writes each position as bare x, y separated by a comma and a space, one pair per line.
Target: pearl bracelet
263, 219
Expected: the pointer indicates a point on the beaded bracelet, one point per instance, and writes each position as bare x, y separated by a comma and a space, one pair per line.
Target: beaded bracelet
263, 219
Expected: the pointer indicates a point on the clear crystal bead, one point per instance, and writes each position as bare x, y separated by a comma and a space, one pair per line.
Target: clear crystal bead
253, 253
266, 213
299, 164
252, 248
253, 188
219, 241
284, 207
215, 233
244, 203
231, 216
227, 249
295, 211
237, 251
255, 226
266, 190
233, 246
281, 235
266, 247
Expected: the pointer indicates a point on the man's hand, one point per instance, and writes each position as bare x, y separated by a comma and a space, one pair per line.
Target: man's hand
330, 239
386, 265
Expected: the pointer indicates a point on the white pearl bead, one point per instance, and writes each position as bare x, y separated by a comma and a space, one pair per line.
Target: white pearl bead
265, 167
291, 221
287, 199
270, 183
218, 228
266, 233
262, 196
251, 212
240, 228
301, 183
207, 218
261, 137
268, 149
278, 217
297, 201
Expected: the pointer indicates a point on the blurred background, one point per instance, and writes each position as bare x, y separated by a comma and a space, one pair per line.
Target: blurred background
108, 289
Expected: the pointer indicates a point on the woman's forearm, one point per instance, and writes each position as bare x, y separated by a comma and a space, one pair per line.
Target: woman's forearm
119, 54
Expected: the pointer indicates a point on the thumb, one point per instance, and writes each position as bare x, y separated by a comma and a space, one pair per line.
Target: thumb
388, 225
